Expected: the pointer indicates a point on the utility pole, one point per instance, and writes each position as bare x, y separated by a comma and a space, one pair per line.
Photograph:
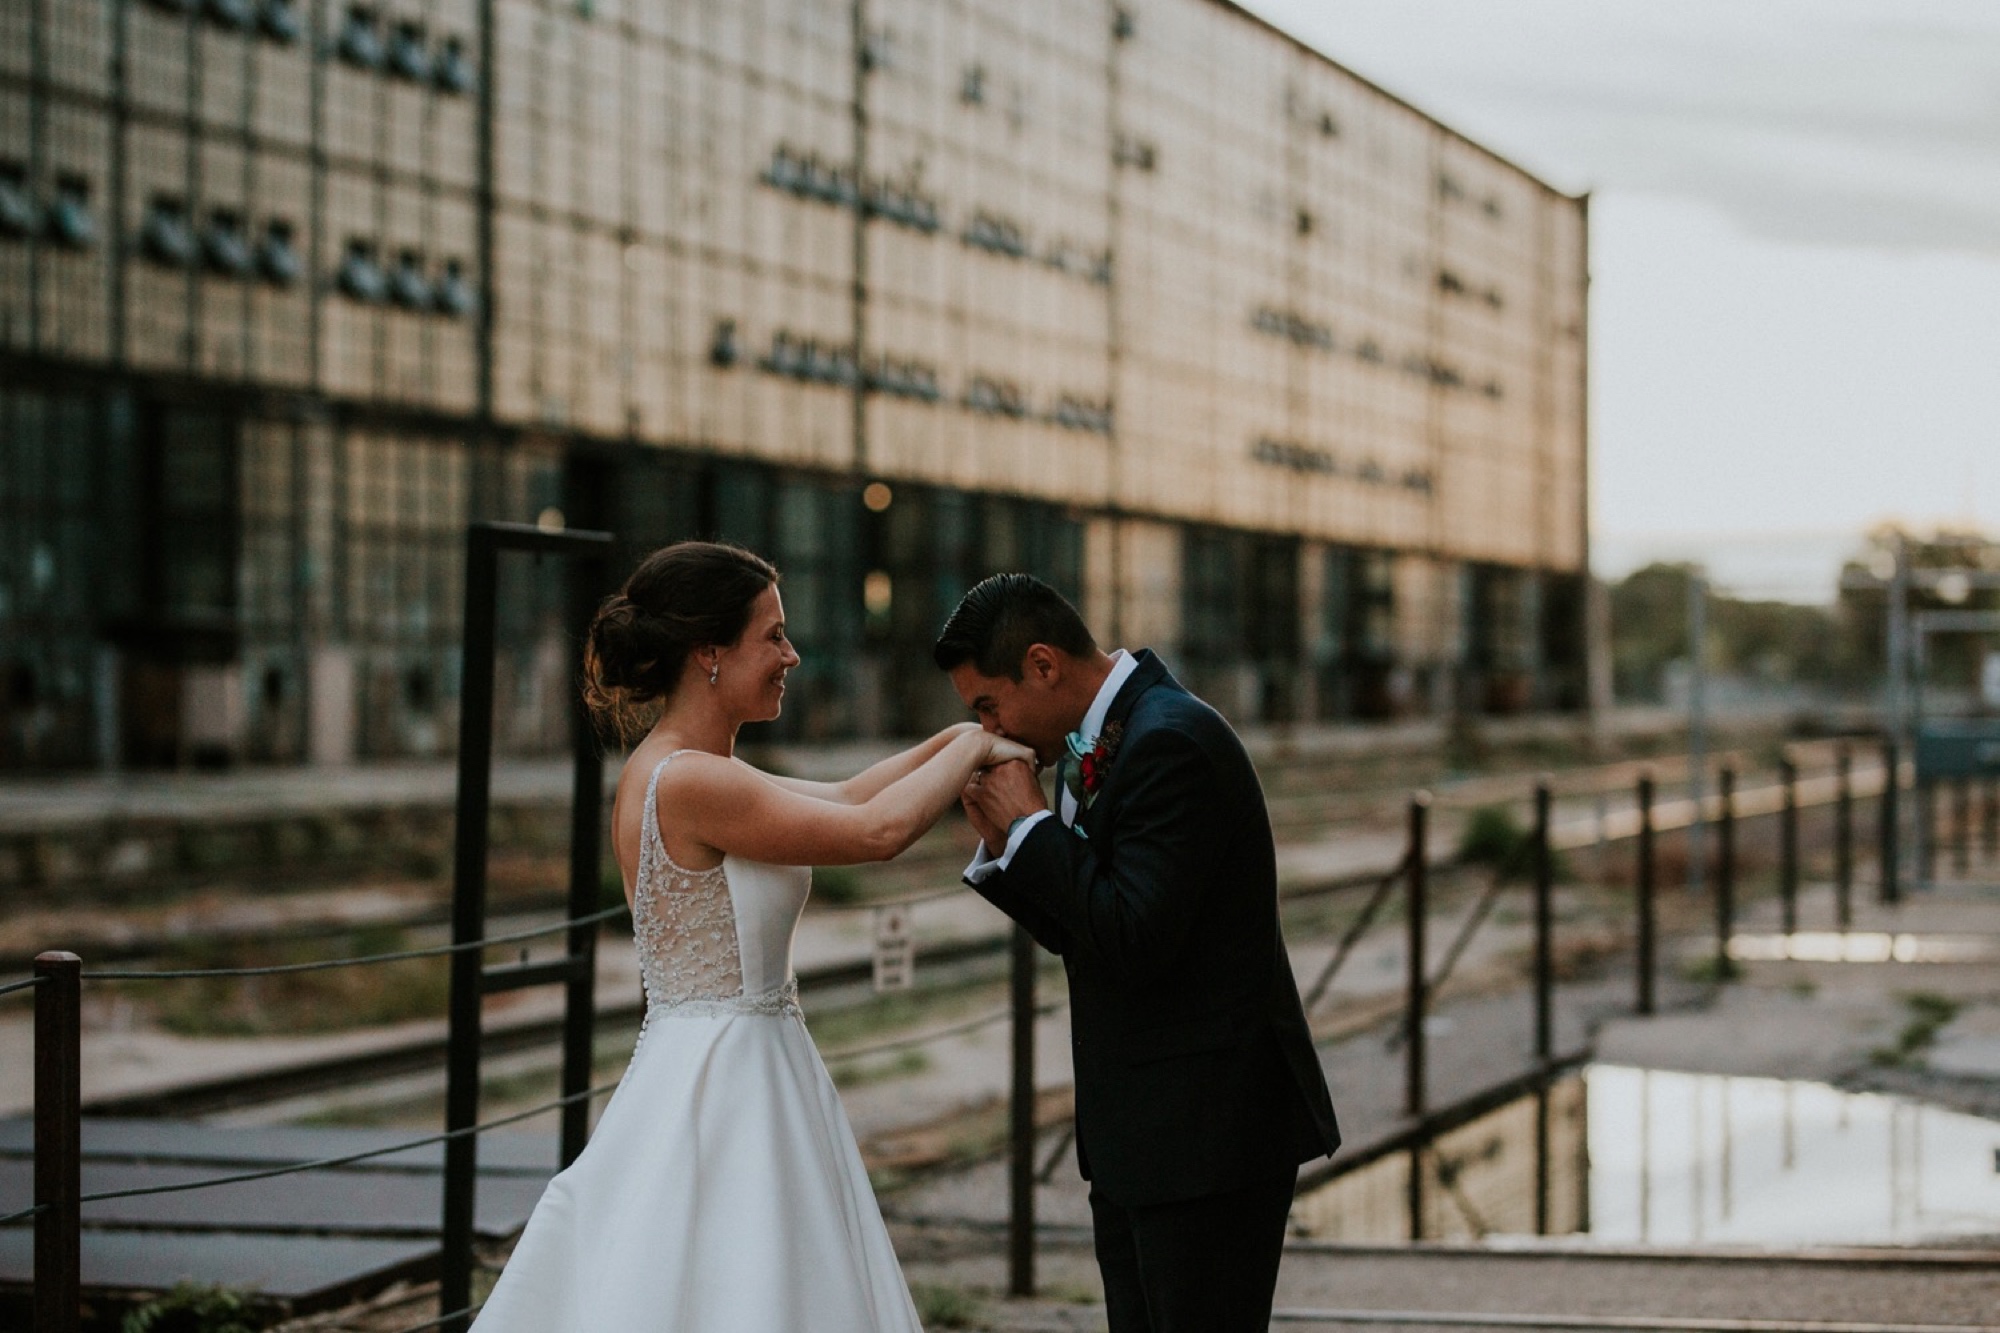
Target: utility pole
1697, 730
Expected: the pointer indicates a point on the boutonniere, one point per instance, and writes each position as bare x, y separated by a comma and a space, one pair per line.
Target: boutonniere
1092, 763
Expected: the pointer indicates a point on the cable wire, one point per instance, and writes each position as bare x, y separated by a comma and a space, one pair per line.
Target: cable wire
350, 1158
988, 1019
26, 1213
325, 964
1355, 932
442, 1319
28, 983
908, 900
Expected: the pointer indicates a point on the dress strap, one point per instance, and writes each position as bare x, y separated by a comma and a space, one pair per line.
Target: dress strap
653, 858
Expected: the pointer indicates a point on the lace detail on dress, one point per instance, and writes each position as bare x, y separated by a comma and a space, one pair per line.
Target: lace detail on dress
684, 926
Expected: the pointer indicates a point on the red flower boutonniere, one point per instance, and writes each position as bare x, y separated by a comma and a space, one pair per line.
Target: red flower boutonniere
1094, 764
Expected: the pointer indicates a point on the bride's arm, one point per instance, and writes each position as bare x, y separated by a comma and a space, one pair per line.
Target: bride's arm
733, 808
873, 780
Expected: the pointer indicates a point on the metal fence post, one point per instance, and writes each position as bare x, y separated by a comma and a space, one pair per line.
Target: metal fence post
1961, 827
1544, 941
1542, 1158
1843, 840
1645, 894
1989, 819
1414, 1004
1926, 794
1725, 873
468, 918
1021, 1126
1788, 848
586, 579
1890, 890
58, 1143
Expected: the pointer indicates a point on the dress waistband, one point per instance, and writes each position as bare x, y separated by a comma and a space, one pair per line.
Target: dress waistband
779, 1002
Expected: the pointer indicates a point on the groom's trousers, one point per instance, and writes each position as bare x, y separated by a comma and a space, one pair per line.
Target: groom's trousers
1205, 1265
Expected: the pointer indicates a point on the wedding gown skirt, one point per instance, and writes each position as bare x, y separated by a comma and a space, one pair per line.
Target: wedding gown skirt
722, 1191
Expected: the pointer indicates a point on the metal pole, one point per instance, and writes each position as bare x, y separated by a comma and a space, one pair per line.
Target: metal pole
1890, 890
585, 861
1697, 840
1989, 819
1544, 949
1896, 724
1926, 833
58, 1143
1961, 827
1413, 1008
1843, 840
1645, 894
1542, 1159
1021, 1127
468, 922
1725, 874
1788, 848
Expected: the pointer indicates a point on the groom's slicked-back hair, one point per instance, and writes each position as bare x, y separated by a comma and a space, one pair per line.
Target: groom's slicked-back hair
997, 622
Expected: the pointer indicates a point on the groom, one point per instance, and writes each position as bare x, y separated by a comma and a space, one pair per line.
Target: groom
1198, 1093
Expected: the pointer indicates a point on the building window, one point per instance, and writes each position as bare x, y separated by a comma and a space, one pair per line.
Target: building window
360, 41
224, 246
361, 277
453, 71
19, 217
166, 236
408, 55
277, 257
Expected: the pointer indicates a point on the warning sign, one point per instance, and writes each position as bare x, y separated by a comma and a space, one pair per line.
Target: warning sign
895, 949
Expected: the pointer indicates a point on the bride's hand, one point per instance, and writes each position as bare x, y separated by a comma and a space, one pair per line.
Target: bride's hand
1001, 751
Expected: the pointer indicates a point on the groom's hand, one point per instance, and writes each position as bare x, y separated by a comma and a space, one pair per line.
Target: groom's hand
975, 814
1002, 795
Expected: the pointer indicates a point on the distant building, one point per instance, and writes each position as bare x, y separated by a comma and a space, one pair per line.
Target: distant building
1272, 371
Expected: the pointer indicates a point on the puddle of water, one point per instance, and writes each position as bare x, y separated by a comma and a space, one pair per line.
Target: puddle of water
1862, 946
1687, 1159
1644, 1157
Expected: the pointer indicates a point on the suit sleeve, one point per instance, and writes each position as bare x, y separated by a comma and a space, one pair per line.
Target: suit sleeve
1003, 891
1130, 910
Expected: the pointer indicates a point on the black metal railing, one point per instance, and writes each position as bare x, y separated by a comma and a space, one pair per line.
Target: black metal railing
59, 1200
58, 979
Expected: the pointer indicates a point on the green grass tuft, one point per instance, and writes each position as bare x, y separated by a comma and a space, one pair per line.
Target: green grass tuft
944, 1307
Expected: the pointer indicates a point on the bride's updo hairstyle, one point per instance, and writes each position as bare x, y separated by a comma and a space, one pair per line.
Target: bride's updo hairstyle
680, 598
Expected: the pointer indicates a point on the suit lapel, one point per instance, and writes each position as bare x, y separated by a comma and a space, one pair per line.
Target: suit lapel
1149, 672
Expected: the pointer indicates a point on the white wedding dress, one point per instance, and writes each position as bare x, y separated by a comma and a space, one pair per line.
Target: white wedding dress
722, 1191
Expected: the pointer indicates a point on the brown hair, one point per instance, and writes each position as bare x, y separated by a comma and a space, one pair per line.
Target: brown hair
680, 598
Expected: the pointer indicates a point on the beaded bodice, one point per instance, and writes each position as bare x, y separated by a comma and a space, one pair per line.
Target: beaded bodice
716, 940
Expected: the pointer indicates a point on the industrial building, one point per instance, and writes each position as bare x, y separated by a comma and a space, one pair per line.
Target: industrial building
1272, 371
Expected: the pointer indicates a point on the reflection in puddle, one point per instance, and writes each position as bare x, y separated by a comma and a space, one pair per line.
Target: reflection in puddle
1640, 1157
1686, 1159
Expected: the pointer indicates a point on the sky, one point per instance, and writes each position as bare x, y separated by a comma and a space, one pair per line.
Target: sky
1795, 251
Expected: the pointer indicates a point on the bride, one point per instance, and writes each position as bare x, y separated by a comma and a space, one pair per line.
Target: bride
722, 1191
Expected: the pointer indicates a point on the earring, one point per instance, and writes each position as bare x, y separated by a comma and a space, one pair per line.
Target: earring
714, 670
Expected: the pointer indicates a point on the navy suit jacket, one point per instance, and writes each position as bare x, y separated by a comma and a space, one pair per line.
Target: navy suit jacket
1195, 1070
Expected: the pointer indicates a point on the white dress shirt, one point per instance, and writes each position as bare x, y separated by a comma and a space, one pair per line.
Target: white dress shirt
1123, 664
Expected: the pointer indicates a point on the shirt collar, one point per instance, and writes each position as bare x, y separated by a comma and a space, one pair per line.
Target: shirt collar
1123, 664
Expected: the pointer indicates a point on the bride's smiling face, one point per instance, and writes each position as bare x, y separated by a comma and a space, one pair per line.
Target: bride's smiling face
752, 670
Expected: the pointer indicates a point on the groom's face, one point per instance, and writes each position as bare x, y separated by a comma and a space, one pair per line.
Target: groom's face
1033, 710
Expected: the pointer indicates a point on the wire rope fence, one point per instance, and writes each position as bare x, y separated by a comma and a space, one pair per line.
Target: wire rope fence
59, 1202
